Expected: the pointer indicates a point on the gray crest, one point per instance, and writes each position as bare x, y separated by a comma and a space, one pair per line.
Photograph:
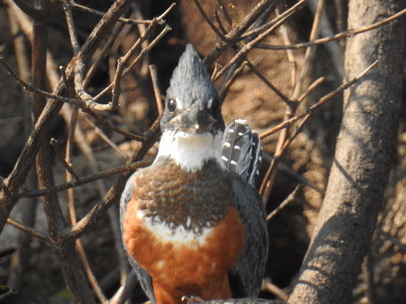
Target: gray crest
190, 80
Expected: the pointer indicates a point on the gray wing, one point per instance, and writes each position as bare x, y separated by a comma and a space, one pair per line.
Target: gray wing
241, 150
251, 264
142, 275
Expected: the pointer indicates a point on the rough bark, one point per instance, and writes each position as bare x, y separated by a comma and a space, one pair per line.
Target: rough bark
389, 258
364, 155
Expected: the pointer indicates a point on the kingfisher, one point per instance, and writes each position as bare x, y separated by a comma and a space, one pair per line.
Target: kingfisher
193, 224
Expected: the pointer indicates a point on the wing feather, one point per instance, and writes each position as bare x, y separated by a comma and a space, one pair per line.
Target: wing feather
251, 264
142, 275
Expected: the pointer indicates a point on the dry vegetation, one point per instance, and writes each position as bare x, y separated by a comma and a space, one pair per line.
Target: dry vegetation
80, 99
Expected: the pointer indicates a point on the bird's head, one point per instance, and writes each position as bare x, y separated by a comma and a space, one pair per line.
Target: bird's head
192, 125
192, 104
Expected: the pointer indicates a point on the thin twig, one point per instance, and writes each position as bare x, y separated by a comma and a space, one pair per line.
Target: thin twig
235, 35
154, 42
234, 70
100, 55
248, 46
79, 64
122, 68
62, 70
68, 167
254, 32
289, 53
114, 128
113, 193
326, 30
391, 238
121, 65
78, 102
308, 58
87, 151
30, 87
321, 102
144, 36
368, 274
345, 34
104, 137
305, 119
89, 273
223, 92
125, 290
7, 294
291, 105
86, 179
311, 87
294, 174
221, 27
253, 69
291, 197
101, 14
38, 135
71, 27
141, 29
87, 98
209, 22
272, 288
70, 116
155, 85
225, 12
12, 221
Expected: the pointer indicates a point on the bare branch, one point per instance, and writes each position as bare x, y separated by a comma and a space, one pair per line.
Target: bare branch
345, 34
78, 102
236, 34
286, 202
321, 102
391, 238
7, 294
68, 167
25, 228
157, 93
272, 288
38, 135
277, 19
368, 276
268, 83
101, 14
114, 191
86, 179
124, 292
208, 20
224, 90
33, 12
314, 34
248, 46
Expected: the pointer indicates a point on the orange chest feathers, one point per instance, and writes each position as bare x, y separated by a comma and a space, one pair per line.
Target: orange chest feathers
186, 235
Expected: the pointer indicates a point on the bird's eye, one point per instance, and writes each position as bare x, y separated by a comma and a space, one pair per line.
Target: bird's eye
215, 104
171, 105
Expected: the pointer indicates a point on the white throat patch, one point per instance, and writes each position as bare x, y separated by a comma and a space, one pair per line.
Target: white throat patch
190, 150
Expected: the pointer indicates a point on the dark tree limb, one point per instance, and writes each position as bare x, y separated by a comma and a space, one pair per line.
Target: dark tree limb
364, 155
34, 12
9, 191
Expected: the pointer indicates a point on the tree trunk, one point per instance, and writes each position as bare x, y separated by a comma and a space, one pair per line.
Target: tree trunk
364, 155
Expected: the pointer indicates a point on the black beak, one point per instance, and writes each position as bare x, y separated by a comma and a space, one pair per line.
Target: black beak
194, 120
